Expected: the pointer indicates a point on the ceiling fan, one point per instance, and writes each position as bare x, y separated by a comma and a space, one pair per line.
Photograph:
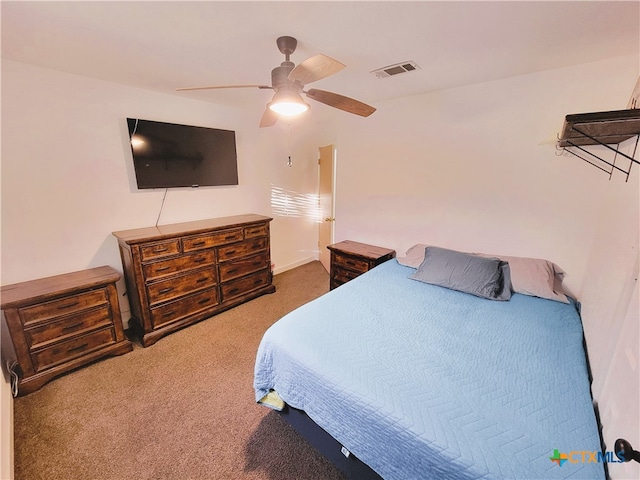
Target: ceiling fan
289, 80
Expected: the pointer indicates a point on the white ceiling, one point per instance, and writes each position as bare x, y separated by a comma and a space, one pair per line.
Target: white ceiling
161, 45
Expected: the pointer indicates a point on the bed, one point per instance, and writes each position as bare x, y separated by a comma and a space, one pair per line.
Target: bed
420, 380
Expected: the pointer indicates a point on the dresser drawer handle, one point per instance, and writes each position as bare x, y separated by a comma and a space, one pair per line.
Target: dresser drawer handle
203, 279
162, 269
68, 305
78, 348
166, 290
160, 249
233, 270
200, 259
204, 300
257, 282
230, 237
169, 314
234, 290
256, 245
72, 327
257, 263
231, 252
198, 244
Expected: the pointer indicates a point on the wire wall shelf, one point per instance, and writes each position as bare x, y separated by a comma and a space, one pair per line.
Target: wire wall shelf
606, 130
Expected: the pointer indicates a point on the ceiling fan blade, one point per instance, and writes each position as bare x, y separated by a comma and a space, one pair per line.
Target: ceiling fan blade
222, 86
315, 68
269, 118
341, 102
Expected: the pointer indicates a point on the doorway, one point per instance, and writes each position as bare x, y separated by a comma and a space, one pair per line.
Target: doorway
326, 181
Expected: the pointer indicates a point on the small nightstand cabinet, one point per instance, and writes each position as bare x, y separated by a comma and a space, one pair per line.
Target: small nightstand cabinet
60, 323
350, 259
182, 273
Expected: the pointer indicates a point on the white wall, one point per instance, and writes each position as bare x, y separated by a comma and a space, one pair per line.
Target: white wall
67, 179
475, 168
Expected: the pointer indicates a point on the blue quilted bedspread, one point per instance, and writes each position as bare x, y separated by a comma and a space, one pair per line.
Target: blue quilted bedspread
423, 382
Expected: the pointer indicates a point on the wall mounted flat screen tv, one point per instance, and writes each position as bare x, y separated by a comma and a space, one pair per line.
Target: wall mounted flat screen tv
171, 155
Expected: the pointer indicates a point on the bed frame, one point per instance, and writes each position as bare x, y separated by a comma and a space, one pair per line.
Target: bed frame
328, 446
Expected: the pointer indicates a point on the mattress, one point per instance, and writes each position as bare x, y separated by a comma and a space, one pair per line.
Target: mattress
419, 381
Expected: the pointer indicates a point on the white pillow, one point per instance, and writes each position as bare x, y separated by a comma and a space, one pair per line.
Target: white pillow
414, 256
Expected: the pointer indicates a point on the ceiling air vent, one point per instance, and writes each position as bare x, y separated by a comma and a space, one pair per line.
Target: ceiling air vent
396, 69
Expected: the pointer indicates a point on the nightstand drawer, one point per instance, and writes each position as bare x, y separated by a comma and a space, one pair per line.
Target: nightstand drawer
64, 306
77, 347
40, 337
351, 263
340, 275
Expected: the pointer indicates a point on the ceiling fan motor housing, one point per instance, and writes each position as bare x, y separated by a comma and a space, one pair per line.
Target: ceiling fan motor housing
279, 76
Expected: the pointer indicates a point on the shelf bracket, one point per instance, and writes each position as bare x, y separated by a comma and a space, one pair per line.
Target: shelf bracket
604, 129
593, 156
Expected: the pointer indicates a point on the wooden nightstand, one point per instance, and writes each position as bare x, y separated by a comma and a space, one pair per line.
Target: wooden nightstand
350, 259
60, 323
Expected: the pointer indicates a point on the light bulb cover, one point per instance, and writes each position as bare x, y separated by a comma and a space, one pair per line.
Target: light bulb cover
288, 103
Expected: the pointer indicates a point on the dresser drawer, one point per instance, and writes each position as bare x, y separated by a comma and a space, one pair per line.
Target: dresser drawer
256, 231
74, 303
242, 249
175, 287
238, 268
41, 336
244, 285
351, 263
151, 251
163, 268
76, 347
184, 307
211, 239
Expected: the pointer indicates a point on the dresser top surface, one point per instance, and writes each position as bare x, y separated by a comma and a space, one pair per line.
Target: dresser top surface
186, 228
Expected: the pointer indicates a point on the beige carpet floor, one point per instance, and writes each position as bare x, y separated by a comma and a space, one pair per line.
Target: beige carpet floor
182, 408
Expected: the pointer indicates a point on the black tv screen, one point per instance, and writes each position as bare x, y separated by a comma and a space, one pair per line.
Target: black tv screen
170, 155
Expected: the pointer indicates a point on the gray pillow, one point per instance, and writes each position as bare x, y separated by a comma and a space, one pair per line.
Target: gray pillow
484, 277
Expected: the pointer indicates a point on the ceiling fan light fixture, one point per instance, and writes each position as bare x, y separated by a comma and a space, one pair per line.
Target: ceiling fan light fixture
288, 103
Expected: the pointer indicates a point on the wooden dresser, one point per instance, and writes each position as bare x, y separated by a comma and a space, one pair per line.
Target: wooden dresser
60, 323
182, 273
350, 259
